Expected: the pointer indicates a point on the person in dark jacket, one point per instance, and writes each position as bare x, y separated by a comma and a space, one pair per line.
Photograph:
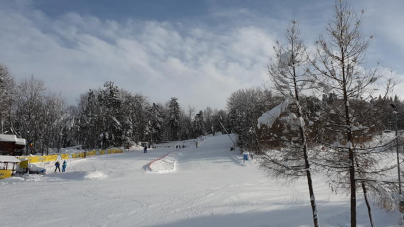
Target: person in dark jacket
57, 165
64, 166
145, 149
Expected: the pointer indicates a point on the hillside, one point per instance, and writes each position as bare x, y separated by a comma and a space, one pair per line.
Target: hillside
205, 186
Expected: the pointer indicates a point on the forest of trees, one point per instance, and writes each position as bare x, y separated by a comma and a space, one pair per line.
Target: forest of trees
102, 118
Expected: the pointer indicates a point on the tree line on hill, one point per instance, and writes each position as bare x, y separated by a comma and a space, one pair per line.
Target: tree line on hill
103, 117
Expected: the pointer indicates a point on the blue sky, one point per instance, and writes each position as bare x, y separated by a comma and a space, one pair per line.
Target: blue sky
198, 51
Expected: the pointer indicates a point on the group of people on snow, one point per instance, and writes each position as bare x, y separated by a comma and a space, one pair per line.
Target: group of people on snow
57, 166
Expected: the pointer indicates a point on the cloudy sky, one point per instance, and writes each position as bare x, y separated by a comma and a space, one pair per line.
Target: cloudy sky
198, 51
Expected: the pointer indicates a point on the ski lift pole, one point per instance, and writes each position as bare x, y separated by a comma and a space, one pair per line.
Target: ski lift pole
398, 158
234, 144
401, 201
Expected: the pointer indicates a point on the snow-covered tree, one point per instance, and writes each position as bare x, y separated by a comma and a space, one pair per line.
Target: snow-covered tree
89, 119
156, 122
111, 127
288, 73
140, 118
219, 118
350, 112
173, 118
198, 125
207, 116
7, 86
70, 129
244, 107
27, 115
185, 126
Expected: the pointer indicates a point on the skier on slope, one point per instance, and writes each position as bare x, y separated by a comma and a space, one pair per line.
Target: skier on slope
64, 166
57, 166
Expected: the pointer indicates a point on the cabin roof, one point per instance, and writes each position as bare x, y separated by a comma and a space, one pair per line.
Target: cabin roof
8, 138
6, 158
21, 141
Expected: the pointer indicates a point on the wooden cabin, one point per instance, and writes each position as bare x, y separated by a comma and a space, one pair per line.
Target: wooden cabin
11, 145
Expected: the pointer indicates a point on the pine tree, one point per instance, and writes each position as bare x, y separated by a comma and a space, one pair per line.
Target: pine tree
156, 122
198, 125
174, 118
110, 115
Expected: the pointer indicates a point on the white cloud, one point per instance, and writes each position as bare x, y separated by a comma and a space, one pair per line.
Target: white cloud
74, 53
198, 63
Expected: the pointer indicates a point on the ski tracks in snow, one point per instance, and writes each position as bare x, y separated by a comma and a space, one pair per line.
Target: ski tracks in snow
118, 208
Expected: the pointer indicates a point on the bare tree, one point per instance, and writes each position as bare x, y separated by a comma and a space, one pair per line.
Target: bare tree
6, 95
288, 73
350, 111
28, 106
53, 121
245, 106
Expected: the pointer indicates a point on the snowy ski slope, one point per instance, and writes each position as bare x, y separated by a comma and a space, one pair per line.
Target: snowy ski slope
205, 186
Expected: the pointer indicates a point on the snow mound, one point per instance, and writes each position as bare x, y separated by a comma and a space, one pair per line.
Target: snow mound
12, 180
136, 147
78, 176
164, 165
56, 177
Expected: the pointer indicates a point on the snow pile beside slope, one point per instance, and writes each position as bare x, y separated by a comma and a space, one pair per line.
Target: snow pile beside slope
136, 147
76, 176
57, 177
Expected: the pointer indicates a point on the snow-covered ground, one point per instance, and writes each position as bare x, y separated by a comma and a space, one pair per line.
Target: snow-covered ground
205, 186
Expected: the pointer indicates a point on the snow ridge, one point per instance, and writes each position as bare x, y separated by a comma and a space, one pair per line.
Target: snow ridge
162, 164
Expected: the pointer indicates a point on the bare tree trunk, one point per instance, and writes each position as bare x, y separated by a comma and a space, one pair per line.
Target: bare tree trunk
310, 185
304, 146
366, 198
368, 205
351, 151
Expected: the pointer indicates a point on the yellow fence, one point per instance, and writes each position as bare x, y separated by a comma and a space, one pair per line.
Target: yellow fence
115, 151
90, 153
5, 173
52, 158
78, 155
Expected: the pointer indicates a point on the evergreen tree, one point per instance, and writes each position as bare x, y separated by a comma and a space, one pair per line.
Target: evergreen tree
174, 118
156, 122
198, 125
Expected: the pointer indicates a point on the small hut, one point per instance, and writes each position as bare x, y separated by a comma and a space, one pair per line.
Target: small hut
7, 166
11, 145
